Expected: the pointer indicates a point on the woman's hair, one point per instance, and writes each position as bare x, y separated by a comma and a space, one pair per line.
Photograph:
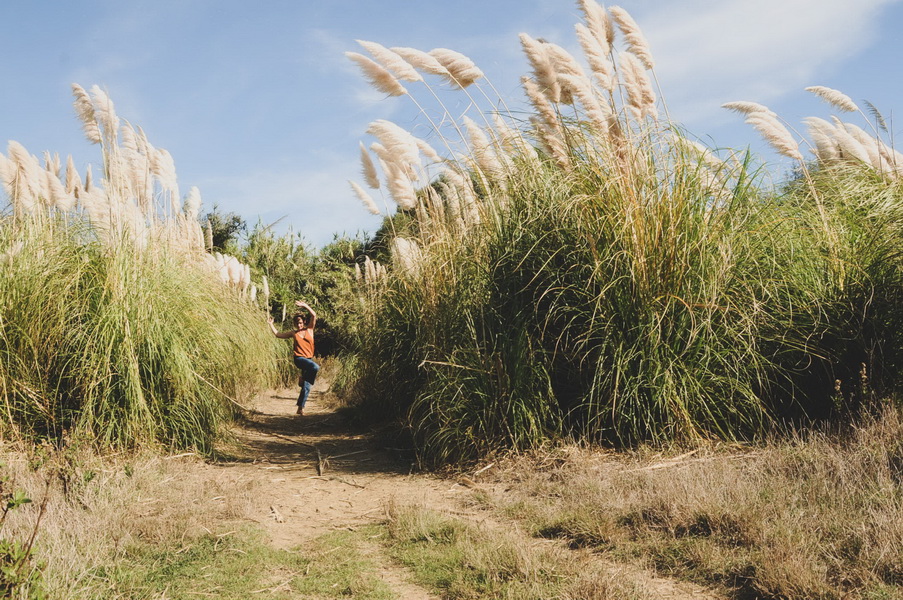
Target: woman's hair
304, 318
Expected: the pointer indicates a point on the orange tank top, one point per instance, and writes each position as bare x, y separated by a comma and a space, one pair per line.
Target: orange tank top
304, 343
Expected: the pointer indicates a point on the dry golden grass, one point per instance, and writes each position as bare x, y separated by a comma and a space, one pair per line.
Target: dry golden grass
817, 517
97, 508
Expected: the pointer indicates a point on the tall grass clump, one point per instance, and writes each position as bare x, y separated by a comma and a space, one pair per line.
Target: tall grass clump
589, 269
115, 325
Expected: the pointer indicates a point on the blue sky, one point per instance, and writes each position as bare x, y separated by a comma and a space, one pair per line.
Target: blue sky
261, 110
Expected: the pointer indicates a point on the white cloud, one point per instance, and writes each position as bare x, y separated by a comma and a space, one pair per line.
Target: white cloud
710, 52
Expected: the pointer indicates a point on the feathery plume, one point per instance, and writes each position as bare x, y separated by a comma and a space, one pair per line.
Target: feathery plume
368, 168
421, 60
73, 181
84, 108
747, 108
640, 94
870, 146
837, 99
553, 142
406, 255
775, 134
597, 112
266, 287
399, 185
633, 35
543, 68
192, 204
365, 198
540, 102
427, 150
378, 76
511, 139
462, 71
597, 56
564, 64
391, 61
481, 148
106, 114
822, 133
400, 144
58, 197
598, 23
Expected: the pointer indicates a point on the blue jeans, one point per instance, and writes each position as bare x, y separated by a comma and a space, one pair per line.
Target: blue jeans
309, 370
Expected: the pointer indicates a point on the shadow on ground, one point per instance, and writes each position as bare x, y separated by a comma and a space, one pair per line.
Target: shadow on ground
322, 438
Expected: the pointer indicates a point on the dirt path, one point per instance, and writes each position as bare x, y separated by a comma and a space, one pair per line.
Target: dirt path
320, 477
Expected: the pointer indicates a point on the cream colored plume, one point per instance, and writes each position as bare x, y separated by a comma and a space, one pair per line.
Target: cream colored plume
406, 255
365, 198
543, 68
640, 94
747, 108
73, 181
826, 148
422, 60
105, 112
775, 134
462, 71
84, 108
401, 145
541, 103
597, 112
427, 150
597, 56
399, 185
192, 203
633, 35
391, 61
482, 150
598, 23
564, 64
837, 99
377, 75
368, 168
511, 139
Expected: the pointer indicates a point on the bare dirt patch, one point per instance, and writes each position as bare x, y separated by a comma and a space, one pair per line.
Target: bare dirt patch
318, 476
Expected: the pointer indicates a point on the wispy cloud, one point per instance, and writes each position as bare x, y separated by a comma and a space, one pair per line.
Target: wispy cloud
713, 52
317, 202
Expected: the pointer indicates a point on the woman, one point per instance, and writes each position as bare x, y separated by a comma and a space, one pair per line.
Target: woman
303, 351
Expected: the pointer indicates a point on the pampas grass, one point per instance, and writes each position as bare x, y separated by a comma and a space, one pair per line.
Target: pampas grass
378, 76
365, 198
397, 65
368, 168
833, 97
462, 72
636, 41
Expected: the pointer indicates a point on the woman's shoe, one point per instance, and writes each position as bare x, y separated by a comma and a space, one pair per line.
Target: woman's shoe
300, 411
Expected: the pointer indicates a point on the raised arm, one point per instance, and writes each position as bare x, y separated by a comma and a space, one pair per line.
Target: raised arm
284, 335
313, 315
